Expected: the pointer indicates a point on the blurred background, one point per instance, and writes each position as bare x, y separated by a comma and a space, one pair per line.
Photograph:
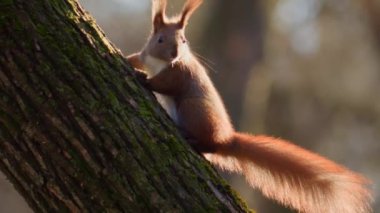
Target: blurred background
304, 70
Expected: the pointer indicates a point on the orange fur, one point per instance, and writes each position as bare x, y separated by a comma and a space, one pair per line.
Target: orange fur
188, 10
294, 176
282, 171
135, 61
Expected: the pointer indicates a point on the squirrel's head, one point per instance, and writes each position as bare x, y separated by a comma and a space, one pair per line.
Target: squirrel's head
167, 41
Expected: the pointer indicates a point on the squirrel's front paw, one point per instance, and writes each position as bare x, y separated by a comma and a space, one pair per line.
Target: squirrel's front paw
142, 77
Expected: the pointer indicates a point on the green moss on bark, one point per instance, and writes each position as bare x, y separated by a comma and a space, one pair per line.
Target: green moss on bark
79, 133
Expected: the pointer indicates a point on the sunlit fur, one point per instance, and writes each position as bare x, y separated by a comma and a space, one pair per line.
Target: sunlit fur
294, 176
283, 171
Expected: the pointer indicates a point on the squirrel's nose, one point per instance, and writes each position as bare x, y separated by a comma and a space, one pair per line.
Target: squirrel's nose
174, 53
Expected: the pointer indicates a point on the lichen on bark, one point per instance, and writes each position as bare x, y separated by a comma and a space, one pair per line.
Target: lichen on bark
78, 133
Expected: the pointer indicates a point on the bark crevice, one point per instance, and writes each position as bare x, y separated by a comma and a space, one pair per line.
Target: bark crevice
78, 133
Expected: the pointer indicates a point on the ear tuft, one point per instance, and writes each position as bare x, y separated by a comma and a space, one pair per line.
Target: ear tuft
158, 14
188, 10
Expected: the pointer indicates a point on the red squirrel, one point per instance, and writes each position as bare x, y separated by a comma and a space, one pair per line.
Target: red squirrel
289, 174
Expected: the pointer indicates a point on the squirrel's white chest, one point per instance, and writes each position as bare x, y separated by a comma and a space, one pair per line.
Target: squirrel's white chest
155, 66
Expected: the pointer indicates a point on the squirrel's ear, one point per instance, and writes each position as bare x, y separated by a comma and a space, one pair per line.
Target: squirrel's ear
187, 11
158, 14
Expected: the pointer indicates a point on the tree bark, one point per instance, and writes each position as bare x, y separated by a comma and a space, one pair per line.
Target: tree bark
77, 131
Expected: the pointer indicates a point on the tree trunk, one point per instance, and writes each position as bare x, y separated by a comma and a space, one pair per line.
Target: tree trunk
78, 133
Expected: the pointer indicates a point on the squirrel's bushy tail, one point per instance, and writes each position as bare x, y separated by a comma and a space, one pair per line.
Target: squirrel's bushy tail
294, 176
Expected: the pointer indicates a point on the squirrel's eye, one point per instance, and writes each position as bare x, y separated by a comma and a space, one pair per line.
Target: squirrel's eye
160, 40
184, 41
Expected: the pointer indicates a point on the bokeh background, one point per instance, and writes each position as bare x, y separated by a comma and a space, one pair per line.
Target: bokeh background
304, 70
